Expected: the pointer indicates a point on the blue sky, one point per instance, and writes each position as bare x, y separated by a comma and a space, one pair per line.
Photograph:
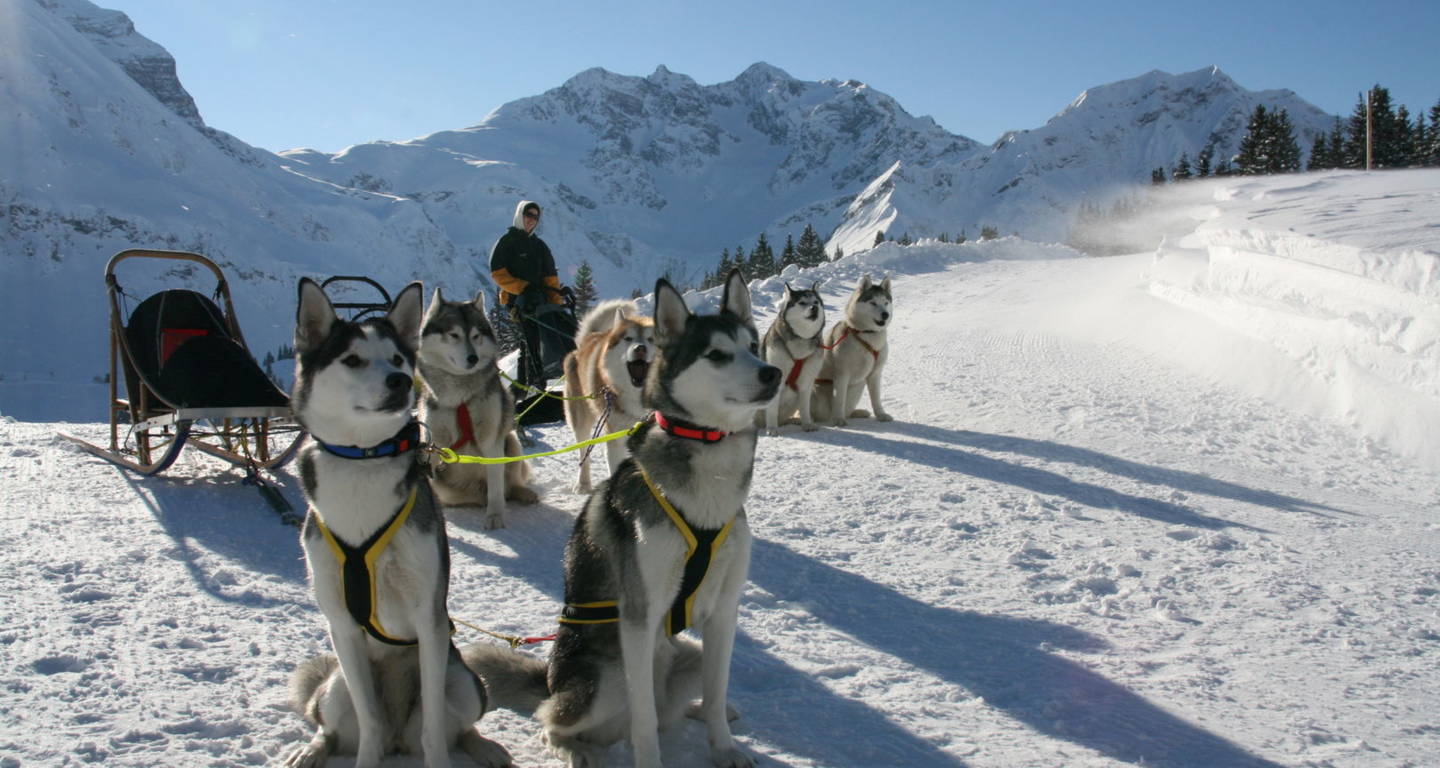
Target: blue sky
330, 73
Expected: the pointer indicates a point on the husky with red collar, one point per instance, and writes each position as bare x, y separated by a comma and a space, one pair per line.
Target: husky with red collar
661, 546
375, 543
467, 409
855, 354
792, 343
604, 376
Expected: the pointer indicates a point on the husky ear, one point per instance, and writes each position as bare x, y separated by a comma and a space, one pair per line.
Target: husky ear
620, 318
670, 312
815, 287
436, 299
479, 300
405, 313
789, 292
314, 316
737, 297
885, 285
864, 283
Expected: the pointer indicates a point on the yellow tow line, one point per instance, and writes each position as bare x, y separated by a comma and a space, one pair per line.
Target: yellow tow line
451, 457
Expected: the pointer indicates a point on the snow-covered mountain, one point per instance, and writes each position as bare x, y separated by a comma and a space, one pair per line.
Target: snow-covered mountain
101, 149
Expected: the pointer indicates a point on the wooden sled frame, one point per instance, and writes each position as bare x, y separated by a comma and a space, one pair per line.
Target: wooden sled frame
253, 437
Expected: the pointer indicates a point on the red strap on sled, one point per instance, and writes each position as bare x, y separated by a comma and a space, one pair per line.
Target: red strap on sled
467, 428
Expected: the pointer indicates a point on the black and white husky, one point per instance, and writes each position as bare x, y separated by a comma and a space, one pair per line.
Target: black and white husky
469, 410
661, 546
793, 344
375, 543
855, 354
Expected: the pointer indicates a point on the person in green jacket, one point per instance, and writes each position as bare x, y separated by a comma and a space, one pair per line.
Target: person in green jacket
522, 265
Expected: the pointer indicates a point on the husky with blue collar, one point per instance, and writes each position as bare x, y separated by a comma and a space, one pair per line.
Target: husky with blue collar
375, 543
661, 546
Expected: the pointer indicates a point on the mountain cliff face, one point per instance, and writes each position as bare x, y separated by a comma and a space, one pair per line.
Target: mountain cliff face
102, 149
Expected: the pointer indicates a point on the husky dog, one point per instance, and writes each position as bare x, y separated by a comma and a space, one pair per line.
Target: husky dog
793, 344
855, 353
662, 545
467, 409
608, 369
375, 543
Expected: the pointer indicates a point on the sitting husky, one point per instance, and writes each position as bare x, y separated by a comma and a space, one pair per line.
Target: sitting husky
855, 353
660, 546
375, 543
793, 344
468, 410
607, 369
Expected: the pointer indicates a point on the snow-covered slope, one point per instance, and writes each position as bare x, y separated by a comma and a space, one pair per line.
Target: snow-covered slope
1107, 141
1108, 527
102, 149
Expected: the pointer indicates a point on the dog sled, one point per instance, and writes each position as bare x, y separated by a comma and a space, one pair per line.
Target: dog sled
189, 379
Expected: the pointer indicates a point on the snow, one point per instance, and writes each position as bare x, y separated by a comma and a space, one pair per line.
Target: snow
1175, 508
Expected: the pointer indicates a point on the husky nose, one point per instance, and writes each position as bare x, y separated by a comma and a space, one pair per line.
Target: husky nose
884, 317
769, 375
396, 382
473, 359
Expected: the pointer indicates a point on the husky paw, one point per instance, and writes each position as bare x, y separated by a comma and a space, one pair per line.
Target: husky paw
810, 426
859, 413
840, 422
582, 489
494, 521
485, 753
772, 431
307, 756
522, 495
731, 758
882, 416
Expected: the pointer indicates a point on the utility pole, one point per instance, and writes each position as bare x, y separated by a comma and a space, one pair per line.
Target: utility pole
1369, 130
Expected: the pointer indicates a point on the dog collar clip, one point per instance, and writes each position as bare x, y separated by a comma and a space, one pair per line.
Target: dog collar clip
407, 439
689, 431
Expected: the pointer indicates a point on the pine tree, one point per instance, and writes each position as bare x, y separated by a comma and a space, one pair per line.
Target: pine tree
1386, 141
1203, 161
1319, 154
879, 237
961, 238
788, 254
1284, 150
905, 239
944, 238
1335, 153
809, 251
839, 253
1404, 134
1182, 168
762, 260
584, 288
1354, 155
1254, 145
1157, 176
1224, 168
990, 233
1433, 141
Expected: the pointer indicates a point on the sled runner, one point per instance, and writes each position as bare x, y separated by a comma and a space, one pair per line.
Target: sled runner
189, 379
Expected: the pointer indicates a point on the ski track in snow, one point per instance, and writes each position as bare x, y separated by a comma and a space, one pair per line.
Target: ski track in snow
1069, 549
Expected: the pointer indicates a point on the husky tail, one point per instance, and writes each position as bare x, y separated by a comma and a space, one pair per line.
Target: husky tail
513, 680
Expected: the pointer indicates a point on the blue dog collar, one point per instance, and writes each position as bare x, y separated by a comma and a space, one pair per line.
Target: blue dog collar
407, 439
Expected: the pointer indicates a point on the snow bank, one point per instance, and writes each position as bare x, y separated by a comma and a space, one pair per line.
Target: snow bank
1357, 312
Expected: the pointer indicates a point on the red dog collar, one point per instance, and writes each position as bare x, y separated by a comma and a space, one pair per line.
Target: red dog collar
689, 431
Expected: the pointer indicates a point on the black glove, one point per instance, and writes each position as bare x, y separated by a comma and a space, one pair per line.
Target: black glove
530, 300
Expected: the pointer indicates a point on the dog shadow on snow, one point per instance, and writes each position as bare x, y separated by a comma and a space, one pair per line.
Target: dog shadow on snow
950, 456
218, 515
780, 705
1004, 661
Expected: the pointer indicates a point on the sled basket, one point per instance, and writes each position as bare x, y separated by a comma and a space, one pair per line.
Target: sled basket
188, 378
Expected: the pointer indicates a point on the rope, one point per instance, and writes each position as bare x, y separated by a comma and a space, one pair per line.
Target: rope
550, 395
450, 457
514, 641
599, 425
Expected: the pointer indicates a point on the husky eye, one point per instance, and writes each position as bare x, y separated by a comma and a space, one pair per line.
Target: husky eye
352, 361
716, 356
754, 348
